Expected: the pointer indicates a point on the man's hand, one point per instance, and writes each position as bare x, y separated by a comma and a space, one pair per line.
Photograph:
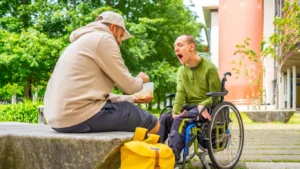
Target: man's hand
148, 99
177, 115
144, 77
205, 113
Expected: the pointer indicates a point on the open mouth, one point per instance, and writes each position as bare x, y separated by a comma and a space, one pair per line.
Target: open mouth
179, 56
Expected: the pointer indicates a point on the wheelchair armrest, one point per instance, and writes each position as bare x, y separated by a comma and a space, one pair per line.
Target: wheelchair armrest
171, 95
216, 94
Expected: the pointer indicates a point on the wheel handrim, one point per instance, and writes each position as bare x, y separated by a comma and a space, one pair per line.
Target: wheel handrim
226, 147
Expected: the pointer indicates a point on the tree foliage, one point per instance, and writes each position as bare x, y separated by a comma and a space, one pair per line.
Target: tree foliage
34, 33
286, 38
250, 66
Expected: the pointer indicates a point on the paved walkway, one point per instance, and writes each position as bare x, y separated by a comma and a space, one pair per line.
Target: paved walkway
270, 146
275, 145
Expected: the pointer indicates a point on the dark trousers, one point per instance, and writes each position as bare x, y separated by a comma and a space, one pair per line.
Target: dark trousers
175, 128
117, 116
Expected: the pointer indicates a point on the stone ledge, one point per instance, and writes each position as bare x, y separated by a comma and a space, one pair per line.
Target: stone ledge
35, 146
267, 116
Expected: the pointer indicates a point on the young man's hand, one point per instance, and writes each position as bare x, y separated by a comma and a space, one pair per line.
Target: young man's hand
148, 99
205, 113
177, 115
144, 77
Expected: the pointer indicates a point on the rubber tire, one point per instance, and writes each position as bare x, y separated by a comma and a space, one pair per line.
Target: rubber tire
210, 127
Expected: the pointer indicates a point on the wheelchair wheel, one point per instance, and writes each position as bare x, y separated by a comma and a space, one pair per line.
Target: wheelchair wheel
212, 166
226, 136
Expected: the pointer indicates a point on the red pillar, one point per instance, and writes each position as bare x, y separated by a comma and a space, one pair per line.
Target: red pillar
238, 19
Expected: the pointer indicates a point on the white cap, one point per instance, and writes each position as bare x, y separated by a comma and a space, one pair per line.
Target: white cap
114, 18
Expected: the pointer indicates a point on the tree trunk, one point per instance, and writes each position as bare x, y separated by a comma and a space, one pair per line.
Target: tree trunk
74, 3
120, 5
277, 90
108, 2
27, 90
150, 106
25, 17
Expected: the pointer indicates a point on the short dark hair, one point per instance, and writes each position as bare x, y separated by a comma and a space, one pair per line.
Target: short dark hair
190, 39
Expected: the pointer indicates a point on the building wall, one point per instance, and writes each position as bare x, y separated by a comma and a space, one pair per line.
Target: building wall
214, 37
298, 94
269, 11
238, 19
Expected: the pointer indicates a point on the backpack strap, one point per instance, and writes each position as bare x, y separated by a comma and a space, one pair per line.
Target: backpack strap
153, 138
156, 160
140, 134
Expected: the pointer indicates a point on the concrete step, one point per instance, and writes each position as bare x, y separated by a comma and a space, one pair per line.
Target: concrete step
271, 165
271, 152
271, 158
273, 141
270, 146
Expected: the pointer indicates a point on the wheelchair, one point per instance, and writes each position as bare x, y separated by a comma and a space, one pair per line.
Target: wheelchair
222, 138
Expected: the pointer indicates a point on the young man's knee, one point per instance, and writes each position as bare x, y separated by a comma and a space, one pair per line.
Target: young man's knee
155, 128
165, 117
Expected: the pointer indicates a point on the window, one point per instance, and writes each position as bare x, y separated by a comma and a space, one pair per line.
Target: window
274, 91
278, 6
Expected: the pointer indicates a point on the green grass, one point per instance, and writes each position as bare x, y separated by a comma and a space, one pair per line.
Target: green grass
246, 119
155, 112
295, 119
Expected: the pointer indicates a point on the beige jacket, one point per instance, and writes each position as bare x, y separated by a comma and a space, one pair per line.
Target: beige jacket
84, 76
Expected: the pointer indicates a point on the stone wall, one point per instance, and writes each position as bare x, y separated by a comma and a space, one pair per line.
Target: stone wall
4, 152
267, 116
32, 146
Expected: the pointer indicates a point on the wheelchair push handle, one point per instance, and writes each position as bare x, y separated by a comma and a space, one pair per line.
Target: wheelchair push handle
170, 95
224, 77
227, 73
224, 80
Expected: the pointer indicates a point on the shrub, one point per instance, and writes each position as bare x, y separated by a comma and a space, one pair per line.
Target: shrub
20, 112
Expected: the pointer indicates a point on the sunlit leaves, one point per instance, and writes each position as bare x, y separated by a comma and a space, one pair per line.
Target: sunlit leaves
287, 32
26, 54
33, 35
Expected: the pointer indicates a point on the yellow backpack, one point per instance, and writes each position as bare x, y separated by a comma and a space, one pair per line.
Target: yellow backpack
145, 153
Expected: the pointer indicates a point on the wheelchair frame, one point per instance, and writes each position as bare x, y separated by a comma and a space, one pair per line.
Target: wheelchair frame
204, 130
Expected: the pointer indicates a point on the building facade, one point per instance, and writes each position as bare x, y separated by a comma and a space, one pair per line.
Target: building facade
229, 22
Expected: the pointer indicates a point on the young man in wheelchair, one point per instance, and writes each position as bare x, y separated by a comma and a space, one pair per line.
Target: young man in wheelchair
195, 78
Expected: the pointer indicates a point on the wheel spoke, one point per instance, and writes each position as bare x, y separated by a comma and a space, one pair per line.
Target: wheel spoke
226, 136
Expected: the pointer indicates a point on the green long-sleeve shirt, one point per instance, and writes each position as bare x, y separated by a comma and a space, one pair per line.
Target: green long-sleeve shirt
194, 83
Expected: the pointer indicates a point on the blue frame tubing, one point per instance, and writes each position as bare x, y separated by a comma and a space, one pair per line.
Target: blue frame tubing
187, 141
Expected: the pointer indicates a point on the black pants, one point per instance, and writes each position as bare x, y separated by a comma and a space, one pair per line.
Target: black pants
175, 128
117, 116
